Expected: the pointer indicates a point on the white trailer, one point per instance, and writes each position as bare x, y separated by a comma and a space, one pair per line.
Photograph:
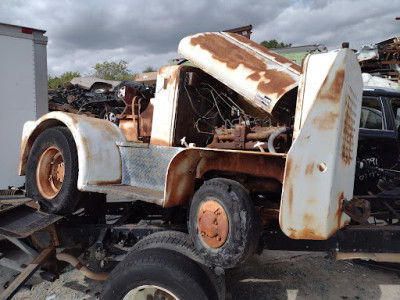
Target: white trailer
23, 86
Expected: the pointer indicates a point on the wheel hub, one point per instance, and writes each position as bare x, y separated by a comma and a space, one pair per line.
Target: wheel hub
50, 172
213, 224
145, 292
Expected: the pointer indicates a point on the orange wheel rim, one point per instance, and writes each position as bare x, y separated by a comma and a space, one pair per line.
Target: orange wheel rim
50, 172
213, 224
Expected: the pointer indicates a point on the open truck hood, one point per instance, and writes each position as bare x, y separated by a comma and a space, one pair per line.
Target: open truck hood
261, 76
321, 163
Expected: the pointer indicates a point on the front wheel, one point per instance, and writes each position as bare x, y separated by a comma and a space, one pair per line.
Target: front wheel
52, 171
222, 223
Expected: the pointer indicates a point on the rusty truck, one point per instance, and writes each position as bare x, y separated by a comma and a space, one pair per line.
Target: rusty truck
244, 152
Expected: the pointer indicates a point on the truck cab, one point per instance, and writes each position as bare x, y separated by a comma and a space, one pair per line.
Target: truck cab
245, 143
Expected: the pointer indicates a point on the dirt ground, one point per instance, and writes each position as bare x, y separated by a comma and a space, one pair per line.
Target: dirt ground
271, 275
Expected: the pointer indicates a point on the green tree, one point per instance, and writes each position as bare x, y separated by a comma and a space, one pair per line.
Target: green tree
54, 82
272, 44
113, 71
149, 69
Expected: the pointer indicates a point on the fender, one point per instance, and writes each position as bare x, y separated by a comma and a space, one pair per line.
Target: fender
193, 163
99, 159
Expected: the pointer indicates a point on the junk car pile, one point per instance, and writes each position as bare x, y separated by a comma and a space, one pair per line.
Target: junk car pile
101, 99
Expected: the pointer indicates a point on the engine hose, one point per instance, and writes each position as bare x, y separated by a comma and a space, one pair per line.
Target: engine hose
81, 267
271, 139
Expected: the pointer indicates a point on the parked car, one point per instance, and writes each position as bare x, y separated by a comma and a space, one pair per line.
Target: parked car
378, 143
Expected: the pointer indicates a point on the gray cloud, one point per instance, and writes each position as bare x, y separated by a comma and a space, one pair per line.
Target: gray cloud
333, 22
83, 33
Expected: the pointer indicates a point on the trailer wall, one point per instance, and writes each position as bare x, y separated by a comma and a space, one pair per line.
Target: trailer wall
23, 92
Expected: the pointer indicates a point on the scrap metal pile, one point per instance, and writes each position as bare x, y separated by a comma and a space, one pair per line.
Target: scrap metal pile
98, 100
381, 59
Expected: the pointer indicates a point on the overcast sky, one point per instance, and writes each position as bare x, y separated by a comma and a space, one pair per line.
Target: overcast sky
147, 33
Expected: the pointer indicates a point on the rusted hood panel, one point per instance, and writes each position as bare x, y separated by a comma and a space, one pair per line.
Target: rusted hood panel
259, 75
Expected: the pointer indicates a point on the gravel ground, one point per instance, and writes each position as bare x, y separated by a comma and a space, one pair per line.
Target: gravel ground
301, 275
272, 275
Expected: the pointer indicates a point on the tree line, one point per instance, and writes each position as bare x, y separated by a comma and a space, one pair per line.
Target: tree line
106, 70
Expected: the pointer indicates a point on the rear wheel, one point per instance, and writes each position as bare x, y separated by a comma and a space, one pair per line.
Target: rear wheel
52, 171
181, 242
171, 240
157, 274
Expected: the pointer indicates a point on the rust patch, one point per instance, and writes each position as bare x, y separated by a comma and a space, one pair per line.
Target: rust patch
218, 45
193, 163
308, 233
117, 181
310, 168
332, 92
23, 158
181, 178
305, 234
288, 167
213, 224
129, 130
311, 201
262, 165
348, 127
170, 75
262, 49
86, 148
290, 200
288, 185
339, 213
326, 121
293, 232
146, 121
27, 142
275, 82
173, 77
308, 220
74, 122
158, 142
254, 77
272, 80
50, 172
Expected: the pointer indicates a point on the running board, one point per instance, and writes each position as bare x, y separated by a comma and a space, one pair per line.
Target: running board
128, 193
19, 217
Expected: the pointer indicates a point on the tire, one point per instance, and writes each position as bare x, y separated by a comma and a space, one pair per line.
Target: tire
165, 270
52, 171
110, 116
181, 242
171, 240
222, 223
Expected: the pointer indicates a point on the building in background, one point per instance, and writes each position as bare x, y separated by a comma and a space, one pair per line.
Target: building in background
297, 53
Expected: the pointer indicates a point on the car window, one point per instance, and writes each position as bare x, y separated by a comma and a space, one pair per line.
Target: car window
371, 114
395, 103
